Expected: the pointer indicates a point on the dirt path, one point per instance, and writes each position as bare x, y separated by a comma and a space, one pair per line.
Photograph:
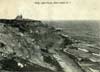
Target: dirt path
67, 64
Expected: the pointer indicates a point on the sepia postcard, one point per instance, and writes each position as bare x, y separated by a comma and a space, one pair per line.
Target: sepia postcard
49, 36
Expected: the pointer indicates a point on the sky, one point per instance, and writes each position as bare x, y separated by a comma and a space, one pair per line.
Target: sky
74, 10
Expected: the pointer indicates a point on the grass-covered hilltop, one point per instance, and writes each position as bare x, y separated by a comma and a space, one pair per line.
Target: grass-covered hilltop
33, 46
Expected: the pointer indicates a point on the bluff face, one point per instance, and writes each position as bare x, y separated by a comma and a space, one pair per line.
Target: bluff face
30, 41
